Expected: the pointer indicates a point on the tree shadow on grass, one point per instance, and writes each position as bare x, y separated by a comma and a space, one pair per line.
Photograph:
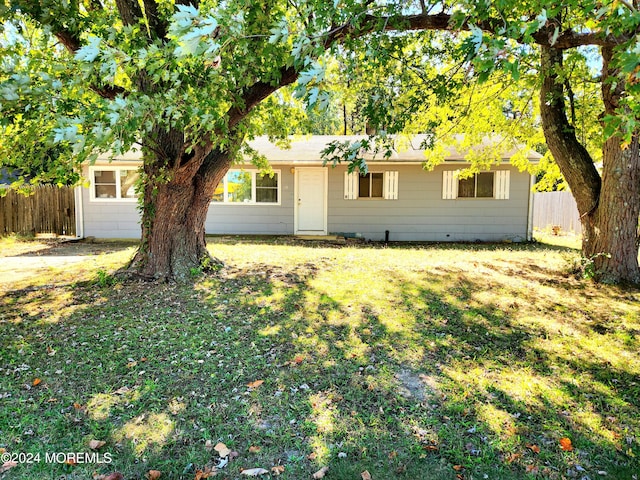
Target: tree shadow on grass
407, 377
553, 383
449, 336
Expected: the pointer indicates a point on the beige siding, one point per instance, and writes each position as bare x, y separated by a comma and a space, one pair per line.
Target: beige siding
121, 219
255, 219
420, 213
109, 219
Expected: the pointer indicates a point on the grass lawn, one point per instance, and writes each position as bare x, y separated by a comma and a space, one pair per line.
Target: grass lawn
410, 362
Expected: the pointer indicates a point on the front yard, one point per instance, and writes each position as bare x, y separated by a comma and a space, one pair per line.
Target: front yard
416, 362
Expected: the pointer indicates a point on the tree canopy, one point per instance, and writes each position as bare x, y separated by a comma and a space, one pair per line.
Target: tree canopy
190, 81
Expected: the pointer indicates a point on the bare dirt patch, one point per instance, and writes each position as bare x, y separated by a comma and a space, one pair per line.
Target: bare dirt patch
23, 260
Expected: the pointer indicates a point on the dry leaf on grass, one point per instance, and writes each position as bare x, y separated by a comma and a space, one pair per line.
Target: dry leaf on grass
208, 445
254, 472
458, 468
533, 448
222, 449
513, 457
36, 382
277, 470
206, 473
366, 475
532, 469
312, 456
320, 473
7, 465
153, 474
254, 449
565, 444
96, 444
255, 384
109, 476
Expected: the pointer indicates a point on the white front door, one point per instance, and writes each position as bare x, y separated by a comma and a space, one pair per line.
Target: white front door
311, 201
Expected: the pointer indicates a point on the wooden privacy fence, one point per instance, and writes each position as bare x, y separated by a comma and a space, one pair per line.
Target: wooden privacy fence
556, 209
49, 209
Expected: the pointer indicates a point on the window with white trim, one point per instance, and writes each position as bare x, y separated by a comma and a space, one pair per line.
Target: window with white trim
479, 185
371, 185
113, 183
248, 187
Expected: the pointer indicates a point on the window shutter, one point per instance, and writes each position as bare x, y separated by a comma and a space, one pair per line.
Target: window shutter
390, 185
449, 185
502, 184
350, 185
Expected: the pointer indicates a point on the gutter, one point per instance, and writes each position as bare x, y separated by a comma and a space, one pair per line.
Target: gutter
532, 183
77, 193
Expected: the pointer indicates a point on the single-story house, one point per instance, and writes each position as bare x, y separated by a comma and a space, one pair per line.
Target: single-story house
303, 197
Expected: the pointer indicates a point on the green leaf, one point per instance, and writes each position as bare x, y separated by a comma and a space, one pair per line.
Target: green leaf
89, 52
476, 37
313, 96
541, 19
9, 93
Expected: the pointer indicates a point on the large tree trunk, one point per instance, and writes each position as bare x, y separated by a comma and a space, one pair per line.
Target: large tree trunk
173, 244
610, 235
610, 232
609, 205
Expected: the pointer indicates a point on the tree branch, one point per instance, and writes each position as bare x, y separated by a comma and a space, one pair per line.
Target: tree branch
258, 92
573, 159
156, 24
95, 5
629, 5
73, 44
572, 103
130, 11
442, 22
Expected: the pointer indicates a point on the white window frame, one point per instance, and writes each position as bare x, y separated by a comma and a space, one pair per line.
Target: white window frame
254, 174
370, 175
389, 186
475, 187
110, 168
501, 185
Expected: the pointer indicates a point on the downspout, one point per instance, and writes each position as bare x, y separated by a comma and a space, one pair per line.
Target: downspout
532, 183
77, 193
